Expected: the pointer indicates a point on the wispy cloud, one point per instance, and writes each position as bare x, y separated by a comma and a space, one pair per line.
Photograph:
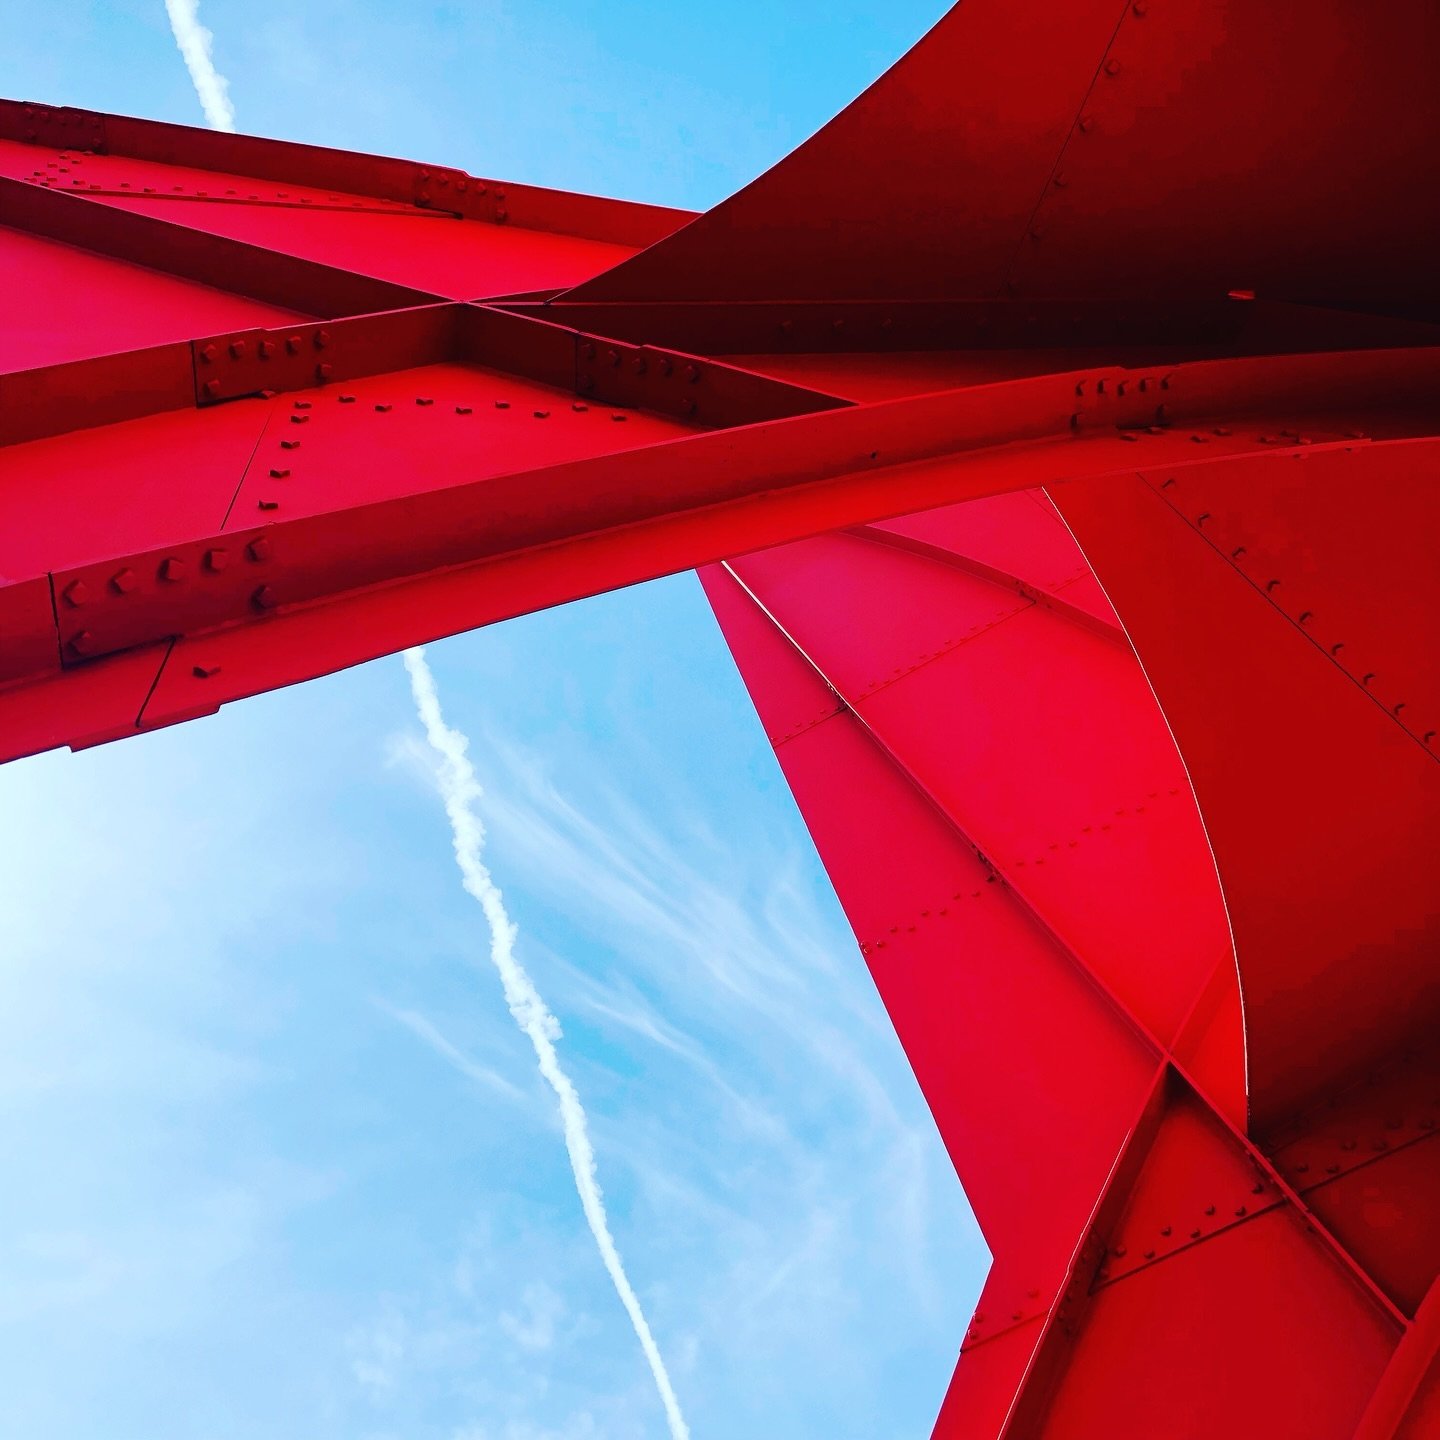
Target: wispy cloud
461, 792
195, 41
419, 1025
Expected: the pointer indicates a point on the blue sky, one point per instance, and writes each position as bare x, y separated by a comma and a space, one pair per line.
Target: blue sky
280, 1163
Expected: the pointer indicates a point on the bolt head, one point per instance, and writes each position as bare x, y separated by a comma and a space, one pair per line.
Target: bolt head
173, 569
237, 349
264, 598
82, 642
124, 581
259, 548
216, 560
265, 349
292, 344
76, 593
208, 354
211, 388
324, 371
204, 672
322, 339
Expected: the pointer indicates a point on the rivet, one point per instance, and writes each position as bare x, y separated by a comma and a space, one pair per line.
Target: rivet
1149, 1254
1164, 1229
124, 581
1112, 67
1209, 1209
264, 598
1240, 1209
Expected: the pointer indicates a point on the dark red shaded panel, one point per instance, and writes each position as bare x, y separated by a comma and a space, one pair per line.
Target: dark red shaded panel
63, 303
1099, 149
1365, 1161
1218, 133
923, 186
1314, 792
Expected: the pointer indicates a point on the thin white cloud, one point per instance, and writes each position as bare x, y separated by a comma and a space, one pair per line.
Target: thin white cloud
461, 792
419, 1025
194, 41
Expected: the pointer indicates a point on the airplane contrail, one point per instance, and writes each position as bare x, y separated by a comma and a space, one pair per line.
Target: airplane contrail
461, 792
194, 42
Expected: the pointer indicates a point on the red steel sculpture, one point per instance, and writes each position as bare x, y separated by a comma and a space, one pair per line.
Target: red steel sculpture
1119, 743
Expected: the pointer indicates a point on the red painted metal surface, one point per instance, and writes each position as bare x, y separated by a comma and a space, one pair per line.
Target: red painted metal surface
1058, 431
